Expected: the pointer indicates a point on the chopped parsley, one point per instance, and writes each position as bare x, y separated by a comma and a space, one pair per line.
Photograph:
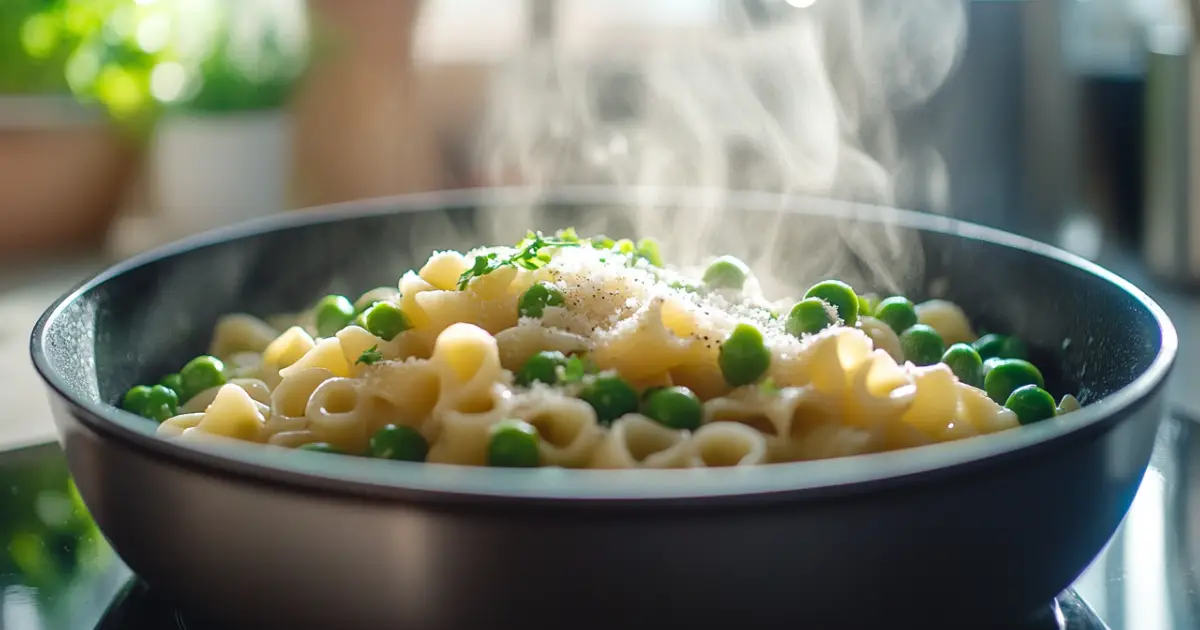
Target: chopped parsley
603, 242
370, 356
482, 266
646, 249
569, 235
685, 286
529, 255
768, 386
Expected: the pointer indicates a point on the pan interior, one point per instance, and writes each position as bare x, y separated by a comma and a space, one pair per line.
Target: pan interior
1089, 332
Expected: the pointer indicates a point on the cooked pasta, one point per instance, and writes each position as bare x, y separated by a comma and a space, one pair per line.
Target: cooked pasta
590, 353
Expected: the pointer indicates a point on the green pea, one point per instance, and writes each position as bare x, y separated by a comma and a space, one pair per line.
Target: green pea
332, 313
535, 299
399, 442
173, 382
964, 361
385, 320
675, 407
321, 447
156, 402
988, 364
135, 399
1003, 346
1031, 404
541, 367
649, 249
163, 402
1014, 348
726, 272
743, 357
1007, 375
650, 391
897, 312
989, 345
201, 373
513, 444
810, 315
840, 295
922, 345
375, 296
611, 397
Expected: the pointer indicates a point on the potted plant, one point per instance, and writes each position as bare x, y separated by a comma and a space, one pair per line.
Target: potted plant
63, 165
221, 149
198, 86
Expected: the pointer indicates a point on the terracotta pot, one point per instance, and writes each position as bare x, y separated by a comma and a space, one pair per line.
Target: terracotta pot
63, 171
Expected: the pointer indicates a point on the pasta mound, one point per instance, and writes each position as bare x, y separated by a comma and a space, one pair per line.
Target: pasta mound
585, 354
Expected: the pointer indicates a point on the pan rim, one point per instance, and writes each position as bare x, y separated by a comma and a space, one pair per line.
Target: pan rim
405, 481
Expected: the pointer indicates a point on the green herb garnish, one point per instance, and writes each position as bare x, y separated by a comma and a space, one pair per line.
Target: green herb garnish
768, 386
685, 286
646, 249
569, 235
481, 266
529, 255
603, 242
370, 356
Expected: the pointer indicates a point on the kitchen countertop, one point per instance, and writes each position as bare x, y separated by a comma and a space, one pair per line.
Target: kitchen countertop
25, 291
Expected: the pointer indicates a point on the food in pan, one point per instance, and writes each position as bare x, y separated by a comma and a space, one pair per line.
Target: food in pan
592, 353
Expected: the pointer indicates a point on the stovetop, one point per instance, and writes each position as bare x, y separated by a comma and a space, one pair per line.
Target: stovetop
137, 606
58, 573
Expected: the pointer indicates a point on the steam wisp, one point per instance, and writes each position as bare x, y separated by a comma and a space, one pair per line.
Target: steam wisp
802, 105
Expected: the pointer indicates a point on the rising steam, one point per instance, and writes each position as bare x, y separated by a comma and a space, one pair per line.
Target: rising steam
799, 104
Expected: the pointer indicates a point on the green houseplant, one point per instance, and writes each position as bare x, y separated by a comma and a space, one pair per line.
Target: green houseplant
196, 85
46, 139
21, 73
221, 153
140, 59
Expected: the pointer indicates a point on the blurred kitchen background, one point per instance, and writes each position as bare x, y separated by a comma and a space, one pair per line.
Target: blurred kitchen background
125, 124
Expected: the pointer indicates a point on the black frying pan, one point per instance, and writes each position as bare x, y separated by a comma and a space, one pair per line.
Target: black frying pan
974, 532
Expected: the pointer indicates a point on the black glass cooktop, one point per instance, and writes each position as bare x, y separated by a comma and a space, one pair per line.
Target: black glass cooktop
138, 606
58, 573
